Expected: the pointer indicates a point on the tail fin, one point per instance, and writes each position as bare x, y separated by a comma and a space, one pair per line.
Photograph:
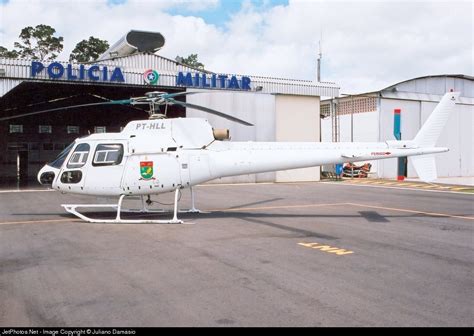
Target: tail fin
431, 130
425, 167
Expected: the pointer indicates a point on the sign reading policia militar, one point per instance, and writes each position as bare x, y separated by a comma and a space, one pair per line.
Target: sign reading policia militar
56, 70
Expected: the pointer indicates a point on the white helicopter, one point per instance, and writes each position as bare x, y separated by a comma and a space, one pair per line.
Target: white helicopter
160, 155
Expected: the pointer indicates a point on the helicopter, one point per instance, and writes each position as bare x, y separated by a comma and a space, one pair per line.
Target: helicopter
159, 155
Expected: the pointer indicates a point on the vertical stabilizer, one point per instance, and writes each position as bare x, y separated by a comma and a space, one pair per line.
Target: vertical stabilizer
431, 130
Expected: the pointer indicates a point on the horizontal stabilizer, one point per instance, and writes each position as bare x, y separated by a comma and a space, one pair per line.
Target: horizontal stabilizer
425, 167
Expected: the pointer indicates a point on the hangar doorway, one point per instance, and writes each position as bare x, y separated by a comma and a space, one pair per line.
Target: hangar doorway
29, 142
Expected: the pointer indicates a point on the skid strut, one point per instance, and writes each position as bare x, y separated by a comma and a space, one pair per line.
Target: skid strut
72, 208
193, 208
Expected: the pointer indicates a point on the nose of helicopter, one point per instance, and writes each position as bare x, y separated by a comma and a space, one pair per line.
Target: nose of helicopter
47, 174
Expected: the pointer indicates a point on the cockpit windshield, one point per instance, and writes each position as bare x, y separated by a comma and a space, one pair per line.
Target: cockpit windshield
58, 162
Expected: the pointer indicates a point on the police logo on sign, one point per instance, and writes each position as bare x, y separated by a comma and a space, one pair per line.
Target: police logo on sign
151, 76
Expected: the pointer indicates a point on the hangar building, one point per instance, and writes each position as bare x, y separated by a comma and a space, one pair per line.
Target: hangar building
281, 109
370, 117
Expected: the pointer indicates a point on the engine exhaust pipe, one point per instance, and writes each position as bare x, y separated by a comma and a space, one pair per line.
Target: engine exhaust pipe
221, 133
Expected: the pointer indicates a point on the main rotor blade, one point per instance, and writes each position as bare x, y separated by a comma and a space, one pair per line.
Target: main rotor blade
211, 111
112, 102
172, 95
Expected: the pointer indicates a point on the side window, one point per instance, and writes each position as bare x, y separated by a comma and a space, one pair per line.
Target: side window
108, 155
79, 156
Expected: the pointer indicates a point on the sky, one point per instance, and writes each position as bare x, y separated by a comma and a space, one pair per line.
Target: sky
366, 45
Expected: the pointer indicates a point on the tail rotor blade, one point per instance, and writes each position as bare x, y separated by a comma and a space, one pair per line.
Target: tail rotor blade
211, 111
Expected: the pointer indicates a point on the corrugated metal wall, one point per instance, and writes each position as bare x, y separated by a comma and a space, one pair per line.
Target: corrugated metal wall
134, 66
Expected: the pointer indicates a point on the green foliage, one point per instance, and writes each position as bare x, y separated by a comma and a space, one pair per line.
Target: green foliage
4, 52
89, 50
191, 60
39, 43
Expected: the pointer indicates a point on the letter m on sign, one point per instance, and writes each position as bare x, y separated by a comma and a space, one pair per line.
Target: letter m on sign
184, 80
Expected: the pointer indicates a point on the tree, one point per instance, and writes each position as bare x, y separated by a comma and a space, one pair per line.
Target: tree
191, 60
89, 50
39, 43
4, 52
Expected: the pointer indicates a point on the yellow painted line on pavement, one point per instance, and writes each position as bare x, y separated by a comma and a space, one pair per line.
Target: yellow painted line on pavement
327, 248
40, 221
339, 204
411, 211
277, 207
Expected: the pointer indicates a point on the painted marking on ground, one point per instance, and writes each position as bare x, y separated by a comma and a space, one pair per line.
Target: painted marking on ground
327, 248
277, 207
437, 214
273, 208
464, 191
41, 221
410, 185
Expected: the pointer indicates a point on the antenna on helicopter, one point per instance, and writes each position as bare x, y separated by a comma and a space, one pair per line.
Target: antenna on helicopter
154, 99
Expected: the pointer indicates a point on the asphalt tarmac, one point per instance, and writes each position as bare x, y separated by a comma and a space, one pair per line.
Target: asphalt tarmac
312, 254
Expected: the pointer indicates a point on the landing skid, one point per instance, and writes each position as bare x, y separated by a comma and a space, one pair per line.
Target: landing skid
193, 208
71, 208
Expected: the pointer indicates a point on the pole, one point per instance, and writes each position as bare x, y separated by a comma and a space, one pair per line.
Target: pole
397, 133
352, 119
18, 170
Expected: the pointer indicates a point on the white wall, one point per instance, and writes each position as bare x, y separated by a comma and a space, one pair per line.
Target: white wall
297, 119
457, 136
366, 129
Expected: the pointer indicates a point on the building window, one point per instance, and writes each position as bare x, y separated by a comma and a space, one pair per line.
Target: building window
45, 129
73, 130
16, 128
100, 129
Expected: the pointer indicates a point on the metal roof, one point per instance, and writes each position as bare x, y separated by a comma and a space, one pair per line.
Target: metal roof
393, 92
133, 66
460, 76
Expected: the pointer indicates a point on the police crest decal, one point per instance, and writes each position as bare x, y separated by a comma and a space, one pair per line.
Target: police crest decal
146, 169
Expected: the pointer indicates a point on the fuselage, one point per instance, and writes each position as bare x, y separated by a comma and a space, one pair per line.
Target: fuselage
156, 156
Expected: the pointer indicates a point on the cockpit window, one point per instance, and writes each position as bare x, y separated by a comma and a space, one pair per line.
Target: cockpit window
79, 157
58, 162
108, 155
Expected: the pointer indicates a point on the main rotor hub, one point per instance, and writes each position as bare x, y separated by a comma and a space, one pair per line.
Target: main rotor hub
154, 94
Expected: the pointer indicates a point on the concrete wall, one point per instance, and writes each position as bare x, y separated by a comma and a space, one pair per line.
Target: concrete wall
297, 119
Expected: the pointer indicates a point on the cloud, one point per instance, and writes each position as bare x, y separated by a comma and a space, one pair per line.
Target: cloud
366, 45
